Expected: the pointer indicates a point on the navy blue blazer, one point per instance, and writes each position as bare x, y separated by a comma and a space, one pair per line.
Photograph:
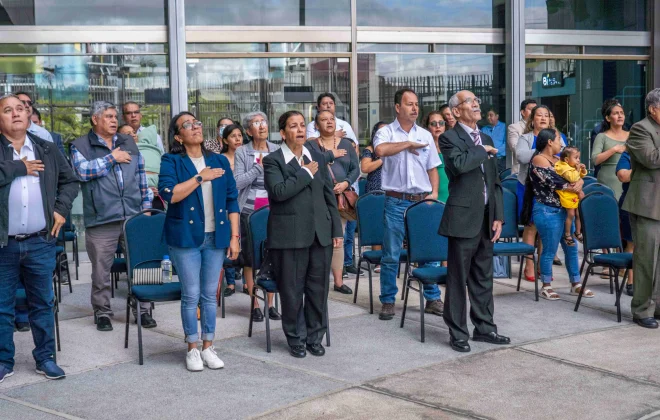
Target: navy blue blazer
184, 223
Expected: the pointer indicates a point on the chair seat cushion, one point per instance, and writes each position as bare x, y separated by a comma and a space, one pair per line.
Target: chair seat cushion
69, 236
431, 275
512, 248
618, 260
59, 250
119, 266
374, 257
268, 284
157, 293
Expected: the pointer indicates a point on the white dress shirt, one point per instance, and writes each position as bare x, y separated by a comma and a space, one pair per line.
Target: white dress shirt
40, 132
469, 131
26, 207
289, 156
159, 141
407, 172
207, 196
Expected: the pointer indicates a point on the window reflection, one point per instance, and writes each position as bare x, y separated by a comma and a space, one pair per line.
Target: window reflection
434, 77
604, 15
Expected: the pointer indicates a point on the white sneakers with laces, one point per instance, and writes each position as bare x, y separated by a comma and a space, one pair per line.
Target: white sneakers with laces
211, 359
194, 361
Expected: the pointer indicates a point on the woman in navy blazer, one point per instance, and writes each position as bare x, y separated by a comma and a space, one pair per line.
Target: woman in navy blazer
202, 222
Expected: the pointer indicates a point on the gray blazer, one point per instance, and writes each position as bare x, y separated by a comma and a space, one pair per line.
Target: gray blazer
524, 153
246, 170
644, 150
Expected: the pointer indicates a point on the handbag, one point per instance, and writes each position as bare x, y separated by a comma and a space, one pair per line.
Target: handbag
345, 200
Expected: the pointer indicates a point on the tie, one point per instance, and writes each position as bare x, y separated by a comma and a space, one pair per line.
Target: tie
477, 142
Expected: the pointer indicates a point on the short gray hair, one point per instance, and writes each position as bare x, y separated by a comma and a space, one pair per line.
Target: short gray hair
652, 99
252, 115
453, 101
7, 96
100, 107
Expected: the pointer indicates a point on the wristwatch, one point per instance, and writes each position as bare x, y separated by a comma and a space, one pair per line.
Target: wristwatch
199, 179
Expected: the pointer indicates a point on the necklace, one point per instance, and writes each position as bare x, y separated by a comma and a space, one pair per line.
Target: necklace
323, 148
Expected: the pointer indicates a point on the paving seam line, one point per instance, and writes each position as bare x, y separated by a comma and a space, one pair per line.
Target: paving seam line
650, 416
589, 367
440, 407
39, 408
299, 402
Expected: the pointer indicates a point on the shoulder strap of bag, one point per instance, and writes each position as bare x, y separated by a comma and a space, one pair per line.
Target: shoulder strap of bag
323, 149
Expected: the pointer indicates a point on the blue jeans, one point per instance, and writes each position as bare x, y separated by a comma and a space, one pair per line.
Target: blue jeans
35, 258
199, 272
349, 240
22, 311
230, 274
392, 244
549, 222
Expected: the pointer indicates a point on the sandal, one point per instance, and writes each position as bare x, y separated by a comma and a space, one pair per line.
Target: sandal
569, 240
575, 291
377, 269
579, 237
548, 293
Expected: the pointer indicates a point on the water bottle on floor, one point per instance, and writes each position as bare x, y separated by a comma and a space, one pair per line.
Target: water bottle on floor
166, 268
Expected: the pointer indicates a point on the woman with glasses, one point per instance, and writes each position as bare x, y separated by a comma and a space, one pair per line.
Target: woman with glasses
215, 145
201, 227
249, 175
435, 123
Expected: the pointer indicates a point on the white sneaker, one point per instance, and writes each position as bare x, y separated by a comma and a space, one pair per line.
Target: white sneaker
194, 361
211, 359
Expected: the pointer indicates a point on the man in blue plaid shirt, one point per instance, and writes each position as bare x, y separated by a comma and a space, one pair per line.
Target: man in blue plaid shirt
114, 185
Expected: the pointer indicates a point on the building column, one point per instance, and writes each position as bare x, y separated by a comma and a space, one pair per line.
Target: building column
176, 36
514, 39
354, 71
654, 9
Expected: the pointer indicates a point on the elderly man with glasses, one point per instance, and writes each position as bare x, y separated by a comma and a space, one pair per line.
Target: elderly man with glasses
33, 128
132, 115
114, 185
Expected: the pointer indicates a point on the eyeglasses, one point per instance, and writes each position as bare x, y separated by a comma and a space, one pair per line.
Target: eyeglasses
262, 123
470, 100
27, 103
189, 125
437, 123
131, 113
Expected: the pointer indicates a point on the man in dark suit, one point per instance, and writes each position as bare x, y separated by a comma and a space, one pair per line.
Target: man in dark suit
472, 221
303, 227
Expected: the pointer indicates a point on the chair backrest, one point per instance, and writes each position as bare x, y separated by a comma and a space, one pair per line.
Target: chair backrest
370, 209
424, 243
510, 227
142, 238
599, 214
588, 180
505, 173
258, 231
362, 186
510, 184
68, 225
597, 187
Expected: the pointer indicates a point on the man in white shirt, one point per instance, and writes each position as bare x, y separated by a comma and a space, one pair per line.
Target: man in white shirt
33, 128
409, 175
132, 115
326, 102
514, 131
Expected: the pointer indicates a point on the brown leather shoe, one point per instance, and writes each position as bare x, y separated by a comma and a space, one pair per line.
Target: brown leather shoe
434, 307
386, 312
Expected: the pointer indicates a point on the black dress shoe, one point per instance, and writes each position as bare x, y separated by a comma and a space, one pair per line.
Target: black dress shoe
147, 321
343, 289
629, 289
103, 324
557, 262
460, 345
257, 315
228, 291
273, 314
22, 326
245, 290
491, 337
351, 269
297, 351
657, 316
646, 322
316, 349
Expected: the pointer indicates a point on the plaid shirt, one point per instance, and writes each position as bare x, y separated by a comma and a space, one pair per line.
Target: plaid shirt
89, 170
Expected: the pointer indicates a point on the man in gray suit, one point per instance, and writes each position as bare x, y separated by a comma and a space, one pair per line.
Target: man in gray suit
643, 204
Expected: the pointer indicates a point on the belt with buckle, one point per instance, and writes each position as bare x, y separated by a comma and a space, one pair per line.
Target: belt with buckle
26, 236
405, 196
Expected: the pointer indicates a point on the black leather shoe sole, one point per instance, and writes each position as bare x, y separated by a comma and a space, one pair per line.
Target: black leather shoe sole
646, 323
460, 346
274, 315
315, 350
486, 339
151, 324
385, 317
228, 292
298, 352
258, 317
343, 289
103, 326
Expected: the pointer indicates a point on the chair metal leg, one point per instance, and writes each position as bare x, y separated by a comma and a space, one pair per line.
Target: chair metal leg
277, 301
584, 260
405, 278
609, 273
583, 288
252, 298
398, 274
520, 273
267, 320
536, 278
357, 280
68, 273
113, 284
222, 292
128, 317
56, 310
371, 292
139, 324
327, 326
76, 255
421, 307
406, 289
59, 277
616, 301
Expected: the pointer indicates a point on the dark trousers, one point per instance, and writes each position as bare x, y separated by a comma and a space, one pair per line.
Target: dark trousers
470, 262
302, 281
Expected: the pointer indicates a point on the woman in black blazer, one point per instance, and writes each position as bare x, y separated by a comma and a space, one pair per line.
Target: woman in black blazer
303, 227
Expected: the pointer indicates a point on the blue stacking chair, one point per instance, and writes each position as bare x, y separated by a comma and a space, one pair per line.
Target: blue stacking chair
425, 245
62, 264
71, 235
599, 214
223, 280
588, 180
370, 209
588, 189
145, 249
362, 186
510, 233
511, 184
505, 174
118, 266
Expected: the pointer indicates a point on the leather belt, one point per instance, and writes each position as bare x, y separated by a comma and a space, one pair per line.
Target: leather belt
405, 196
23, 237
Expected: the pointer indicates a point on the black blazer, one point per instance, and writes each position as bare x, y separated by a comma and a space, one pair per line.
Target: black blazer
463, 216
301, 208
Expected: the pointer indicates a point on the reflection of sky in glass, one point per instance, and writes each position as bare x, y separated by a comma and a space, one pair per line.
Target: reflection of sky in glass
586, 14
412, 65
99, 12
430, 13
268, 12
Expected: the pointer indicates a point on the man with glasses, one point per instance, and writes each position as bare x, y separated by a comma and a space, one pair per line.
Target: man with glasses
472, 222
132, 115
515, 130
497, 131
114, 186
33, 128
